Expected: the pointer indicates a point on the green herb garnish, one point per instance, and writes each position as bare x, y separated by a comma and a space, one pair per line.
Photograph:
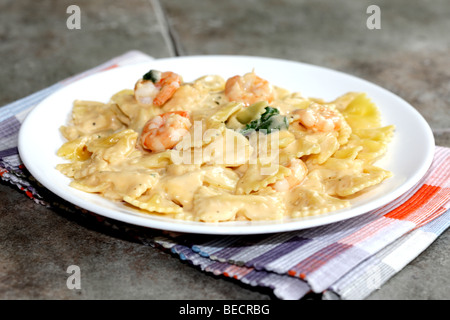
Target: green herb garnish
269, 121
153, 75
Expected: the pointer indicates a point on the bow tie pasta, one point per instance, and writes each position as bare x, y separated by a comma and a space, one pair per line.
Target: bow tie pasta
216, 150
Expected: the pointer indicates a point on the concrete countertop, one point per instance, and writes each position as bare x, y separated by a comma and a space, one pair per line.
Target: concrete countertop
409, 56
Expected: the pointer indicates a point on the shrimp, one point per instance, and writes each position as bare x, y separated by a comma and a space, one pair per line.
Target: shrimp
299, 172
249, 89
165, 131
319, 118
156, 87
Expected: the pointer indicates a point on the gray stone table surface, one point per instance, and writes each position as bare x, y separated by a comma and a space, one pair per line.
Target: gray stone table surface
409, 56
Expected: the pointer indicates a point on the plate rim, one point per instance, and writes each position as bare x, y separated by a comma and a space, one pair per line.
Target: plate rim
224, 228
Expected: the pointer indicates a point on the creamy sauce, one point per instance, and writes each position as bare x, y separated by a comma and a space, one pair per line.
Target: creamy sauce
223, 183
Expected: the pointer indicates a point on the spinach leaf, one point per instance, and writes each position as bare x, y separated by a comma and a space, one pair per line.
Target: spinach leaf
269, 121
153, 75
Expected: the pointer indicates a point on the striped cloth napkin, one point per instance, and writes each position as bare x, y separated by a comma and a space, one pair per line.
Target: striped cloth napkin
344, 260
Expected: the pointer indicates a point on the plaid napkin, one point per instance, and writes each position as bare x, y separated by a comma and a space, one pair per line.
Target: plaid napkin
344, 260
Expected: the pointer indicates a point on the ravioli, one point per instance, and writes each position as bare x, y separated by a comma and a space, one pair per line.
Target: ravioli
237, 161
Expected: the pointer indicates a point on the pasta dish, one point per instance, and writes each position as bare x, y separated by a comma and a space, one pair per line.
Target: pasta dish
217, 149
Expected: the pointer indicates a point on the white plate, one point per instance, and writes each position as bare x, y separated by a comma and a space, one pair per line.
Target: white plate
409, 155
